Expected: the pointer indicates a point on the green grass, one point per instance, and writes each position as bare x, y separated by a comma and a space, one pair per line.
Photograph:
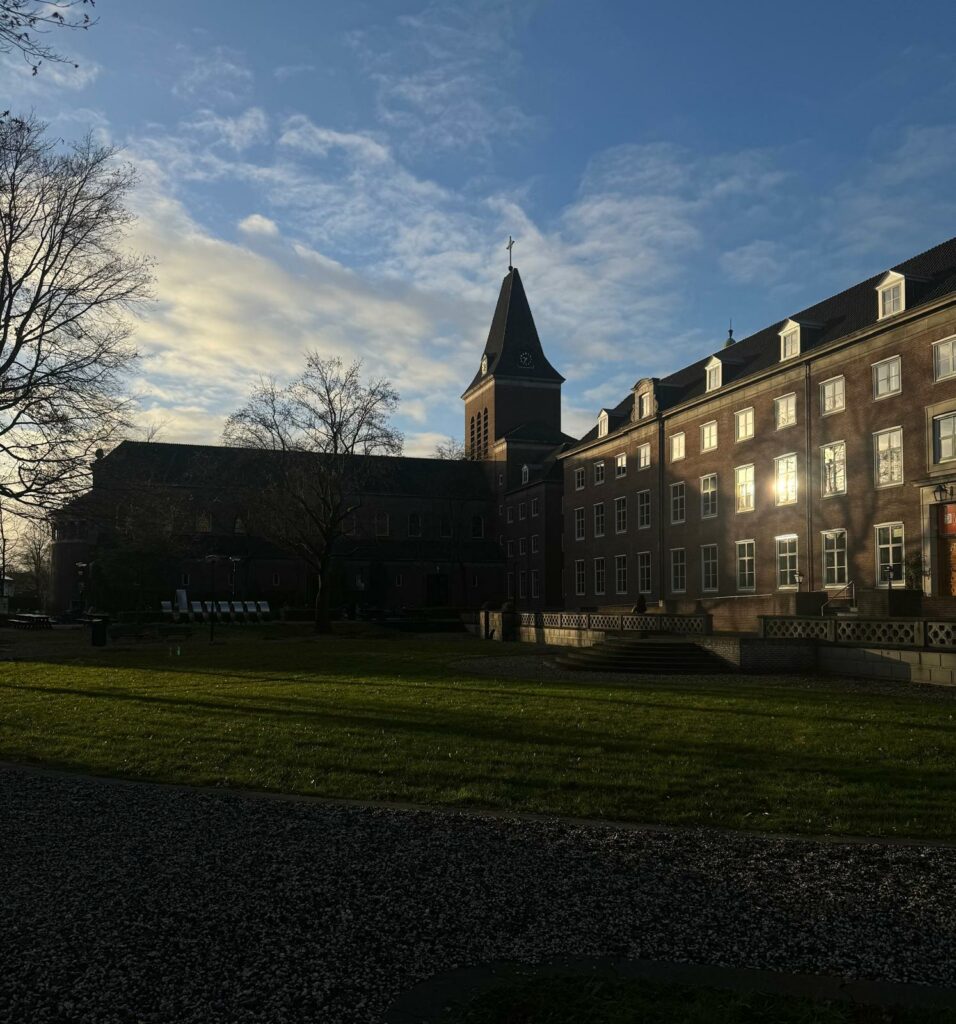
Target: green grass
576, 1000
397, 718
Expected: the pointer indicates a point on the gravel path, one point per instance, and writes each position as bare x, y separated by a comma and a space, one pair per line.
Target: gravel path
130, 902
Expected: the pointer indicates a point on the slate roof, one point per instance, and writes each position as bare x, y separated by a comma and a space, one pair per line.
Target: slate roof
930, 275
512, 333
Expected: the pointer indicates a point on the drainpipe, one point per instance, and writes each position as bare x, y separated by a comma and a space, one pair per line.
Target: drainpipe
808, 472
660, 508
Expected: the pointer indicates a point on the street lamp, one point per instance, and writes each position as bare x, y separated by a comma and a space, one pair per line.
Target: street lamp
798, 578
211, 561
941, 493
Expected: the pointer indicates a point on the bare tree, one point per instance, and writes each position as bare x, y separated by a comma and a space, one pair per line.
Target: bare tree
23, 23
30, 560
324, 428
451, 449
67, 284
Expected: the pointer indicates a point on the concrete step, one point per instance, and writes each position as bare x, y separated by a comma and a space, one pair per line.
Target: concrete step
652, 657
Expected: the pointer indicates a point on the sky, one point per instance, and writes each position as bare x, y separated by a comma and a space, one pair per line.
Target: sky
344, 178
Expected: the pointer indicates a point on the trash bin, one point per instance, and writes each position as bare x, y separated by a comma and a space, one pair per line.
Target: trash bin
99, 632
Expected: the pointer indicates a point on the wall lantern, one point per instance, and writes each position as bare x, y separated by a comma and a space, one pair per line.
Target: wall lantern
941, 492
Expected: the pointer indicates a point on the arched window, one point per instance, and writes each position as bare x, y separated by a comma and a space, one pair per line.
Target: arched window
484, 440
477, 527
203, 523
238, 526
524, 474
472, 448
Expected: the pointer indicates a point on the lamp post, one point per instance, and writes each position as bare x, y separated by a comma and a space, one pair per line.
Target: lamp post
211, 561
798, 578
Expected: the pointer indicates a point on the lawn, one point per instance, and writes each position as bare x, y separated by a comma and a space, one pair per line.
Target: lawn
380, 716
577, 1000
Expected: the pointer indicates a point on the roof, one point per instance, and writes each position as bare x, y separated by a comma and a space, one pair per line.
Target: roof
930, 275
513, 347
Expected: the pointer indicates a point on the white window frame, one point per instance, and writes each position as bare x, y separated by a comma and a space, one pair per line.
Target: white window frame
789, 340
522, 511
620, 514
682, 493
678, 442
836, 551
938, 460
877, 434
522, 545
824, 384
743, 412
535, 544
620, 567
890, 280
522, 583
713, 374
875, 370
704, 514
510, 549
950, 343
580, 580
580, 523
598, 474
876, 553
510, 514
382, 517
675, 589
710, 549
792, 396
525, 473
644, 455
643, 405
752, 489
580, 478
796, 560
704, 430
599, 565
796, 479
823, 469
535, 587
750, 557
534, 508
641, 525
620, 465
602, 424
596, 508
644, 567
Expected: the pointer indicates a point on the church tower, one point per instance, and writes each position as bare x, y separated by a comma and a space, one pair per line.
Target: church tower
515, 386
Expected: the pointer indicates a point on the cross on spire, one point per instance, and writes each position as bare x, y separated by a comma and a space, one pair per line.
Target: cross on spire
509, 247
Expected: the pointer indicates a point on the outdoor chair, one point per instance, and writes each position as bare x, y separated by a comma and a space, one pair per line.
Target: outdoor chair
195, 611
225, 612
168, 614
264, 613
209, 609
252, 612
238, 612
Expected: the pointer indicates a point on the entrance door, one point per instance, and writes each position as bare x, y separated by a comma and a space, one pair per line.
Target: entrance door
946, 547
436, 590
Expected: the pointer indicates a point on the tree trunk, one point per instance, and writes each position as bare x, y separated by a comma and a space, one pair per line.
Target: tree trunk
323, 622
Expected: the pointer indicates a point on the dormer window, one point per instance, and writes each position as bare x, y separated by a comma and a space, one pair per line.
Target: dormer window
714, 374
524, 474
790, 340
892, 295
643, 405
602, 423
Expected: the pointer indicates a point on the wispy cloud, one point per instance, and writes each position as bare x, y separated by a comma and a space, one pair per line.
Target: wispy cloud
256, 224
219, 76
287, 71
237, 133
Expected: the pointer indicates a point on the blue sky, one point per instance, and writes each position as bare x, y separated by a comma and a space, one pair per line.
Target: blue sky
345, 176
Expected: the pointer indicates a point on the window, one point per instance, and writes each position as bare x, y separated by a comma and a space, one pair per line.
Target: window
889, 553
708, 436
833, 395
414, 524
708, 567
599, 576
644, 572
579, 478
599, 519
787, 561
708, 496
620, 515
534, 544
399, 580
744, 424
203, 522
785, 474
511, 549
790, 341
477, 527
744, 488
944, 437
599, 472
579, 577
511, 514
785, 411
620, 466
888, 457
381, 524
602, 424
579, 524
678, 570
501, 479
746, 565
522, 545
524, 474
886, 377
535, 589
184, 579
511, 584
445, 523
944, 359
643, 405
620, 574
522, 510
677, 447
534, 508
891, 298
238, 526
834, 468
678, 505
713, 375
474, 581
643, 510
834, 558
643, 455
522, 583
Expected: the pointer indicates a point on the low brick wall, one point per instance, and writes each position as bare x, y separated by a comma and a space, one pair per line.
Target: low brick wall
559, 637
889, 663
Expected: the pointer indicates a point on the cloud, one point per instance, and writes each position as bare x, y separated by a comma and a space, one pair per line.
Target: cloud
216, 77
760, 260
300, 133
52, 78
237, 133
287, 71
256, 224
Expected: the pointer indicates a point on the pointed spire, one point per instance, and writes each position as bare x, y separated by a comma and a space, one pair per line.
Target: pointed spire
730, 335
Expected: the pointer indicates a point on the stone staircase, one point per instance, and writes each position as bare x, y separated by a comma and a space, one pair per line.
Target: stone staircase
651, 656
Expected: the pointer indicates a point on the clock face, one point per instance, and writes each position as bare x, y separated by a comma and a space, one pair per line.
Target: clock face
484, 364
526, 360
